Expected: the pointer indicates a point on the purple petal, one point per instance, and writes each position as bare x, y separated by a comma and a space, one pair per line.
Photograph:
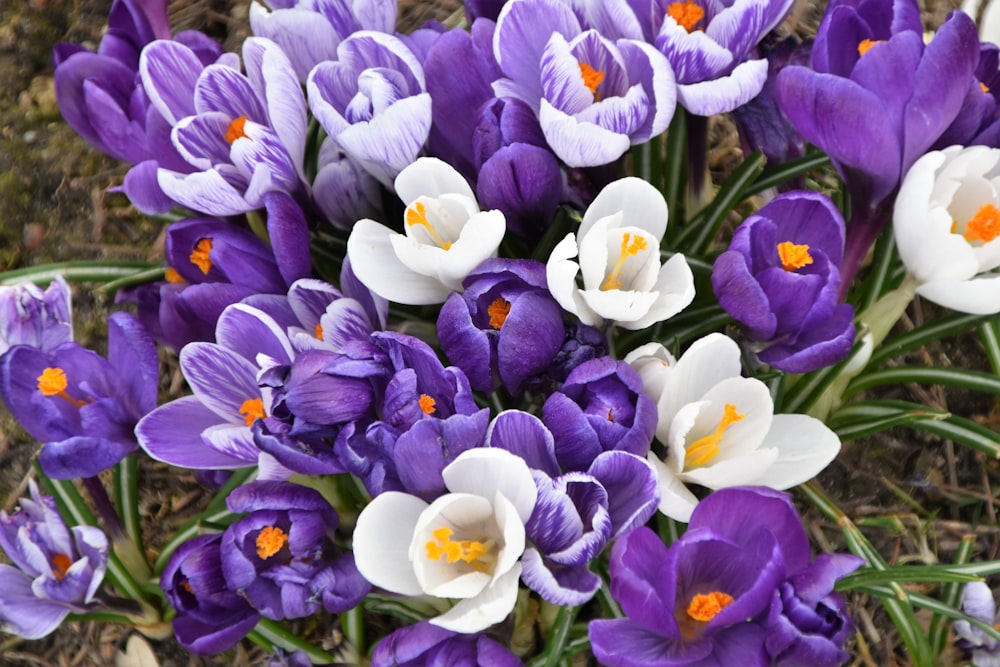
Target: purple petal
630, 482
21, 611
558, 584
173, 433
170, 73
524, 434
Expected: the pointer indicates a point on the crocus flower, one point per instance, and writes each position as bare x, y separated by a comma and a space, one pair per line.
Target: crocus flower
947, 227
601, 407
719, 429
371, 100
446, 237
424, 644
30, 316
56, 569
688, 605
780, 279
594, 96
618, 245
210, 617
978, 602
466, 545
82, 406
281, 556
876, 99
505, 327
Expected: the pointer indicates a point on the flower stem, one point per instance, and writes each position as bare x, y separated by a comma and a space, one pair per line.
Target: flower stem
270, 634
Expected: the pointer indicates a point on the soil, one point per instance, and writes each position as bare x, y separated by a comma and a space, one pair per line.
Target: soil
917, 495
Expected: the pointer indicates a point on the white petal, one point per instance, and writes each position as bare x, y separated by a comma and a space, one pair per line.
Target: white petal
486, 471
746, 469
805, 447
622, 306
466, 516
708, 361
560, 274
675, 287
478, 241
382, 541
979, 296
676, 501
751, 399
486, 609
641, 205
652, 362
370, 249
511, 526
430, 177
912, 204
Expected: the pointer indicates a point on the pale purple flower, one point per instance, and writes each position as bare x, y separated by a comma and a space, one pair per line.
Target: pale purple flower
31, 316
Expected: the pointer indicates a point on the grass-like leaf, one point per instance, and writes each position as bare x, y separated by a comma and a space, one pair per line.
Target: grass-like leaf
782, 173
932, 332
953, 377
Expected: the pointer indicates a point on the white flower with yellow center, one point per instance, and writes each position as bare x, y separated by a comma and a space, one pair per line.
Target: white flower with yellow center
619, 258
466, 545
947, 227
720, 429
445, 237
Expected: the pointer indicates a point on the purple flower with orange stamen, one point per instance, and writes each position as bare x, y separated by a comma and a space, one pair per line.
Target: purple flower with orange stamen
780, 279
424, 644
82, 406
56, 570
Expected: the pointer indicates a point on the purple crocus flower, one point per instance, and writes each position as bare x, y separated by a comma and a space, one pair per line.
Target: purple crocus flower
594, 96
426, 645
30, 316
82, 406
780, 279
56, 570
210, 617
372, 102
978, 602
978, 122
601, 407
876, 99
688, 604
505, 327
281, 556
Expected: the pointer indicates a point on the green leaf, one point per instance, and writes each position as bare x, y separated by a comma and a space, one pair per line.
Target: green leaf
101, 271
935, 606
931, 332
952, 377
951, 596
781, 173
989, 333
862, 418
905, 574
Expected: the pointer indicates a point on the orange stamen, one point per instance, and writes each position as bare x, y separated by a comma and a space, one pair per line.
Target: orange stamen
592, 78
235, 130
687, 13
427, 404
498, 312
416, 214
270, 541
467, 551
706, 606
60, 565
703, 450
630, 247
794, 256
984, 226
171, 276
983, 87
319, 331
53, 382
867, 44
252, 409
200, 255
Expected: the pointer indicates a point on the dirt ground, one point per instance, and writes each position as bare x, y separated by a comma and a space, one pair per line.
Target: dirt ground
54, 207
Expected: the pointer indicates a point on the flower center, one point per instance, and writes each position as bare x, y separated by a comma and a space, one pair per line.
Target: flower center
416, 214
687, 13
252, 410
631, 246
270, 541
60, 565
235, 130
319, 331
794, 256
427, 404
983, 87
592, 78
472, 552
171, 276
498, 312
199, 256
706, 606
703, 450
984, 225
867, 44
52, 382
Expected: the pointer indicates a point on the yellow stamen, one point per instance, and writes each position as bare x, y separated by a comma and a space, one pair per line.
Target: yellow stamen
235, 130
252, 410
498, 312
687, 13
794, 256
592, 78
270, 541
200, 255
427, 404
706, 606
60, 565
186, 585
983, 87
171, 276
984, 226
703, 450
53, 382
867, 44
630, 247
416, 214
319, 331
467, 551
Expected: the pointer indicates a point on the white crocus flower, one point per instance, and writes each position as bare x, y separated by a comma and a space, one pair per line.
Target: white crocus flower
466, 545
947, 227
619, 257
720, 429
446, 237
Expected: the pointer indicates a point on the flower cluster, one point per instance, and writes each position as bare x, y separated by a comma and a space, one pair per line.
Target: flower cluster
445, 361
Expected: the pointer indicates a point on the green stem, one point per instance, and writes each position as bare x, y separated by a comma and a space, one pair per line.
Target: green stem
352, 622
270, 634
558, 637
951, 595
126, 483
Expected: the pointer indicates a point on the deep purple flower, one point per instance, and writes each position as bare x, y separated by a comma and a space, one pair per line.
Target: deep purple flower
82, 406
780, 278
210, 617
594, 96
505, 327
281, 556
707, 599
426, 645
978, 122
29, 316
601, 407
56, 570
